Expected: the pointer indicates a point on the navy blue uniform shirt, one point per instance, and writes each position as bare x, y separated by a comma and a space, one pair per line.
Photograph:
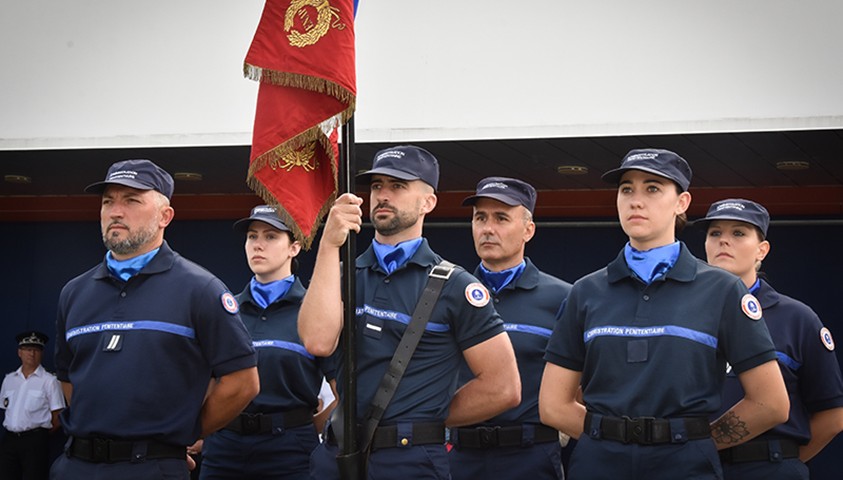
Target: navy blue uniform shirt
140, 354
529, 307
809, 367
385, 304
657, 350
290, 376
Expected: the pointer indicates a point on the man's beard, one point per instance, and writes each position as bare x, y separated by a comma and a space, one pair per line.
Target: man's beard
399, 222
132, 243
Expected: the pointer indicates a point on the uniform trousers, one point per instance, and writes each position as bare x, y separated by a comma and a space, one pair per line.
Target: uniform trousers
282, 455
25, 455
420, 462
594, 459
542, 461
70, 468
787, 469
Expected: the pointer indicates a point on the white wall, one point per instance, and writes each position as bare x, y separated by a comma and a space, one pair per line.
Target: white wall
96, 73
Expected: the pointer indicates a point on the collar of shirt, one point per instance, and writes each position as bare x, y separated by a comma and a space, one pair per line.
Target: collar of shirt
424, 258
496, 281
162, 262
767, 296
651, 264
755, 286
685, 269
126, 269
266, 294
39, 371
393, 257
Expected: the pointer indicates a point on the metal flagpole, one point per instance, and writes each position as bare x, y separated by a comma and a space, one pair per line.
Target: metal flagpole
347, 170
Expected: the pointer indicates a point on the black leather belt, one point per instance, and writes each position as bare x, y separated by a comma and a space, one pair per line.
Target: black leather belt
491, 437
648, 430
263, 423
106, 450
761, 450
423, 433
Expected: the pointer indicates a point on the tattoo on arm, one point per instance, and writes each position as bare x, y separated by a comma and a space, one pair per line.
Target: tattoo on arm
729, 429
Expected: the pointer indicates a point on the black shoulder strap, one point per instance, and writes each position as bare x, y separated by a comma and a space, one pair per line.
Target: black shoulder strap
409, 341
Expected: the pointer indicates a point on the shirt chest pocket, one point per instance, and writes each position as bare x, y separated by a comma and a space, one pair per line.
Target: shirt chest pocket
35, 401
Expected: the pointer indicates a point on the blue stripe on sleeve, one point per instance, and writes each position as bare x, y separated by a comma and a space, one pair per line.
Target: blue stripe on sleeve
787, 361
532, 329
294, 347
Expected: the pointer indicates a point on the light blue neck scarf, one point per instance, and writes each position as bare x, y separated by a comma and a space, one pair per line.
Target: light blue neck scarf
126, 269
651, 264
496, 281
391, 257
265, 294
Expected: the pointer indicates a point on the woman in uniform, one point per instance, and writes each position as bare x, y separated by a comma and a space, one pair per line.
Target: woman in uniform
275, 434
736, 240
648, 338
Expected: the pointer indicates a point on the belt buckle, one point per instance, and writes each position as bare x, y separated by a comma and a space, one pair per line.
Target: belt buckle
250, 423
488, 436
100, 449
639, 430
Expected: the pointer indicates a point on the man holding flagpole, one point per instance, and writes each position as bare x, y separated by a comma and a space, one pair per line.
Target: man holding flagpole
392, 274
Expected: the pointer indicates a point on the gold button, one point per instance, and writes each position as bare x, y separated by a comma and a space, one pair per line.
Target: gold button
404, 441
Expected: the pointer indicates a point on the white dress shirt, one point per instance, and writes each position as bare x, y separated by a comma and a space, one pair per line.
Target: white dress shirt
29, 402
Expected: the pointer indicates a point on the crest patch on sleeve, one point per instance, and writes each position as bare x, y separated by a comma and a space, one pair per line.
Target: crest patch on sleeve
229, 303
476, 294
828, 341
750, 306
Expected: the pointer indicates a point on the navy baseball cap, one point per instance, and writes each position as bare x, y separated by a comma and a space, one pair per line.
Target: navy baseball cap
663, 163
406, 162
140, 174
738, 209
262, 213
31, 339
510, 191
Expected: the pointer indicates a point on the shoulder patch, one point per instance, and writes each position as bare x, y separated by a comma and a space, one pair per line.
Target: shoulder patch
229, 303
750, 306
825, 337
476, 294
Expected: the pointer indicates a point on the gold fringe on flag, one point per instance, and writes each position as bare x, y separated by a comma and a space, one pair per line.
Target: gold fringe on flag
275, 158
306, 82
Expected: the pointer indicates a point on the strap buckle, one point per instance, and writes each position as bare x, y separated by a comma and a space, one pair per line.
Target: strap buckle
100, 449
638, 430
250, 423
488, 436
442, 271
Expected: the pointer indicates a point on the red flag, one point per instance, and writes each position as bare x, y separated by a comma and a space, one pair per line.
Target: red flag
303, 56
